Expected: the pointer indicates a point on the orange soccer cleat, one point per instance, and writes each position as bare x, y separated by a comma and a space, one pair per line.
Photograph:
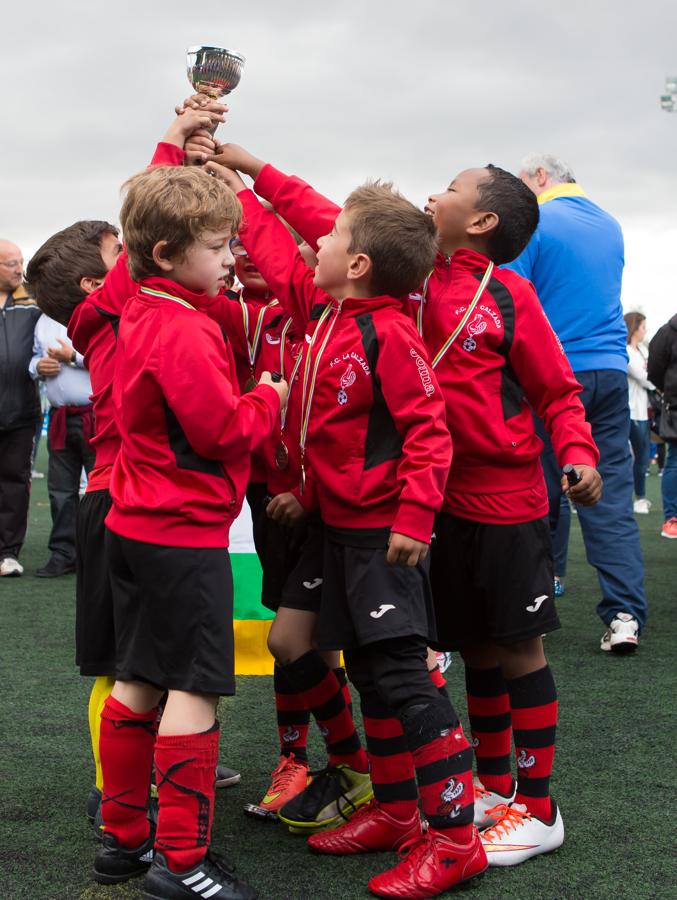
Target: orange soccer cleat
286, 782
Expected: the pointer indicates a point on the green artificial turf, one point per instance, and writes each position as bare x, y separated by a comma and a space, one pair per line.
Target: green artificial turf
614, 768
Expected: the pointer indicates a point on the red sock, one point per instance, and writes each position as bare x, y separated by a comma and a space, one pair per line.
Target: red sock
324, 697
126, 747
437, 677
390, 762
184, 765
491, 728
443, 761
533, 699
293, 716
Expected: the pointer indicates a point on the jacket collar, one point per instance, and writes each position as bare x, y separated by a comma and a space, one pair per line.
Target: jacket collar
570, 189
162, 289
464, 259
355, 306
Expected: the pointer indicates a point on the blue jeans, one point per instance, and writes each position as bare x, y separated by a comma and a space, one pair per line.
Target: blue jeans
669, 482
609, 529
640, 442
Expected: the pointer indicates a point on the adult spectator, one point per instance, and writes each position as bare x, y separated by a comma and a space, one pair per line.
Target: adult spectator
68, 436
638, 387
663, 373
575, 261
19, 406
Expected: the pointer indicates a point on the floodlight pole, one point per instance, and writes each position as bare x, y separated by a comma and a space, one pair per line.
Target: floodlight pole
669, 98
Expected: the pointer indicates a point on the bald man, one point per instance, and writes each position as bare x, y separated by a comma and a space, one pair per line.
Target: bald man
19, 406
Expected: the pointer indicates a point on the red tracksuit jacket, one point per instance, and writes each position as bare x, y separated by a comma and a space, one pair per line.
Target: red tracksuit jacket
186, 434
377, 441
512, 365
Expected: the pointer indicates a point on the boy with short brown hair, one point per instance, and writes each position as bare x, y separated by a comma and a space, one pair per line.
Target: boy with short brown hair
177, 485
377, 448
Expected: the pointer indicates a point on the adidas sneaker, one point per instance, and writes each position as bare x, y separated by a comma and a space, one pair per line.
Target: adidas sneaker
214, 877
113, 863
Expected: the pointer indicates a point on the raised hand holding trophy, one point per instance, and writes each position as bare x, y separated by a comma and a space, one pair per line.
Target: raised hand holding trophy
214, 71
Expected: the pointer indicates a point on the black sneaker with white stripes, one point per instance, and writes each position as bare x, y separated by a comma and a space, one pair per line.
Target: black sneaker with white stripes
214, 878
114, 863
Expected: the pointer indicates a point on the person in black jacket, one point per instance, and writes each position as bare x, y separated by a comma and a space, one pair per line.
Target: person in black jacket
19, 406
662, 371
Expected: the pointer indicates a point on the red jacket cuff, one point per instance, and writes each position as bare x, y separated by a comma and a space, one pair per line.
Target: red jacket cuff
167, 155
414, 521
581, 458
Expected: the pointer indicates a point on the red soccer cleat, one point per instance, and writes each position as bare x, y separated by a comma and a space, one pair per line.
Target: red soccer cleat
368, 830
433, 863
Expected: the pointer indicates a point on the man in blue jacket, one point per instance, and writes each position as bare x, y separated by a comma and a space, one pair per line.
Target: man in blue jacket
19, 406
575, 261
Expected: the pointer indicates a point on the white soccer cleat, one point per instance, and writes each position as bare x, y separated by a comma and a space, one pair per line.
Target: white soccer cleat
621, 635
11, 567
642, 506
517, 835
486, 800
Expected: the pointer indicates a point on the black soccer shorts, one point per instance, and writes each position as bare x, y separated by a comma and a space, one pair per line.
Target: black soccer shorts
491, 582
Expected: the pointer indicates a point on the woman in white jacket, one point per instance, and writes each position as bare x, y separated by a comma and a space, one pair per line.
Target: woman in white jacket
638, 385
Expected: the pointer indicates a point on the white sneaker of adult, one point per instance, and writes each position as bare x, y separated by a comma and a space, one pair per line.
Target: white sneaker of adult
486, 800
11, 567
517, 835
621, 635
642, 506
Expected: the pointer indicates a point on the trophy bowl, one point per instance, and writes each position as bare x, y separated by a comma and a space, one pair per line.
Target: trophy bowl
214, 70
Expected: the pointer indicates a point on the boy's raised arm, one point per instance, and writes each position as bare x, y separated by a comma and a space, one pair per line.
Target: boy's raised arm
306, 210
274, 252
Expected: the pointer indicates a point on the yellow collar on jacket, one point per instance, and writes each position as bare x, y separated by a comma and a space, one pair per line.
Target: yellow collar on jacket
570, 189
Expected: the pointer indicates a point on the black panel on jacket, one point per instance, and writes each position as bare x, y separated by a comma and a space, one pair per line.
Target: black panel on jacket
186, 457
383, 439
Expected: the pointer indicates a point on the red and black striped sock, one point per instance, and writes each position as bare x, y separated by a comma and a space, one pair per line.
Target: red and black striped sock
390, 761
342, 679
443, 762
533, 699
293, 716
324, 697
491, 727
126, 746
184, 765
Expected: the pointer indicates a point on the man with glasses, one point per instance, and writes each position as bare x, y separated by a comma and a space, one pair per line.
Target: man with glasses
19, 406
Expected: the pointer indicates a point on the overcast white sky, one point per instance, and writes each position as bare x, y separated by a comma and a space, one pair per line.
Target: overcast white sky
413, 91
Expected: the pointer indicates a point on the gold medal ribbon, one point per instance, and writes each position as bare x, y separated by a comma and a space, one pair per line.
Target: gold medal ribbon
163, 295
308, 379
253, 345
290, 380
473, 303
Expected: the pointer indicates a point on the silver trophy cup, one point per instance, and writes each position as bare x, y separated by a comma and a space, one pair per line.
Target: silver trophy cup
214, 71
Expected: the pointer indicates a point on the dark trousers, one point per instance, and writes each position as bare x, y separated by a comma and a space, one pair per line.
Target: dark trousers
641, 447
63, 485
15, 487
609, 528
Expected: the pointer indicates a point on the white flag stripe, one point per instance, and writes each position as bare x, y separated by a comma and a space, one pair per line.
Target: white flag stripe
214, 890
205, 884
194, 878
241, 538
